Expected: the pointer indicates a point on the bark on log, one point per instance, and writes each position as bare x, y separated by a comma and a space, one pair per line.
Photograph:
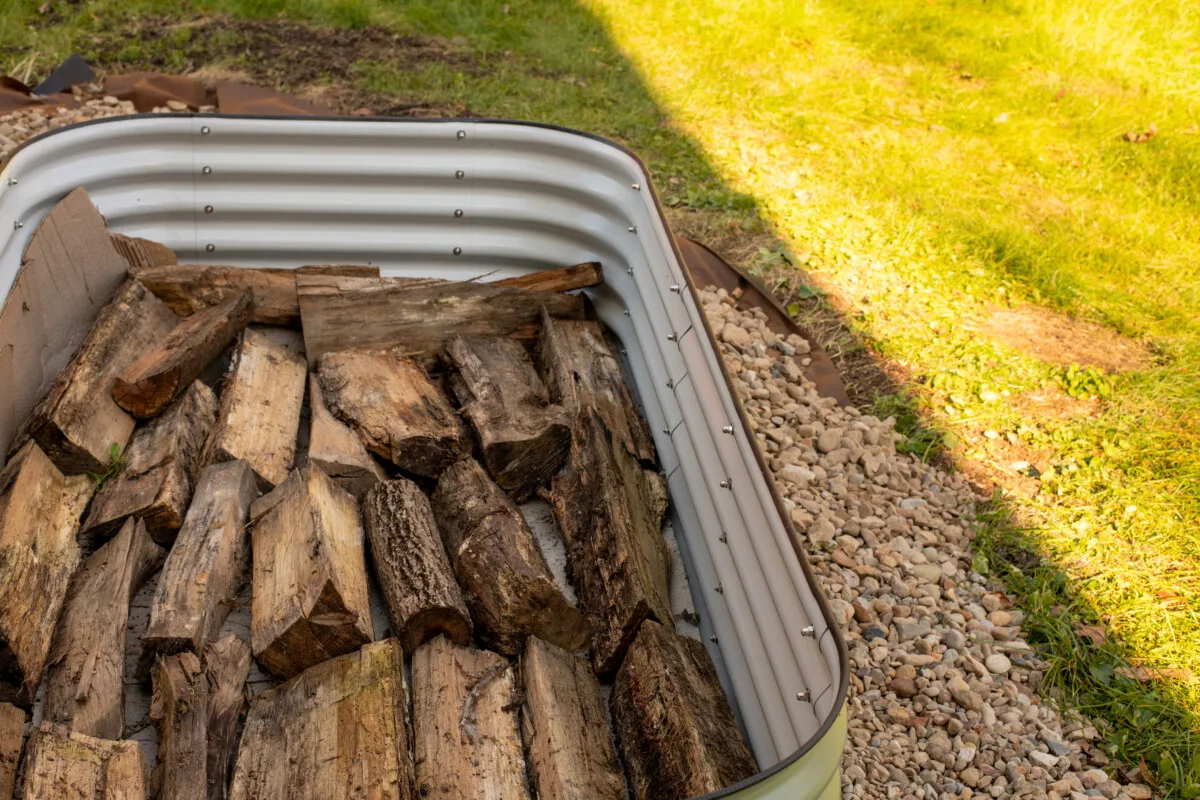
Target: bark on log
149, 384
39, 515
12, 738
571, 754
205, 567
260, 408
466, 740
85, 682
226, 665
414, 574
161, 464
179, 711
309, 599
675, 729
143, 253
523, 437
188, 288
581, 372
566, 279
419, 314
74, 766
506, 582
77, 422
337, 731
610, 511
396, 410
337, 450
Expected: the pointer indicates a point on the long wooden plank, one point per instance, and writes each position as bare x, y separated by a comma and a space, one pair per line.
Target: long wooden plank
337, 731
565, 279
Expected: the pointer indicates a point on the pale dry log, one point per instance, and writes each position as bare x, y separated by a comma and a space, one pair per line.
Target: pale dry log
565, 279
506, 582
414, 574
76, 422
569, 744
337, 449
610, 511
675, 729
158, 376
260, 409
524, 438
12, 740
337, 731
161, 464
85, 680
189, 288
395, 409
226, 665
206, 565
465, 736
179, 711
74, 766
39, 516
309, 580
581, 372
417, 314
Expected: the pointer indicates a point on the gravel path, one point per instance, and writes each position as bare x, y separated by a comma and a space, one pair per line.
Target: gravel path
943, 689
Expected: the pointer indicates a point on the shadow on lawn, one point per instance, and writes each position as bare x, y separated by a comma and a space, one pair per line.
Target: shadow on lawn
553, 61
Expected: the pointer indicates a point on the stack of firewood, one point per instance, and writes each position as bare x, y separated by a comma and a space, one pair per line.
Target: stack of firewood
360, 420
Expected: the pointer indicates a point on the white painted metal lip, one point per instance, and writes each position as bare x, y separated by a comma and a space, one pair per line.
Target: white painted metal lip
468, 198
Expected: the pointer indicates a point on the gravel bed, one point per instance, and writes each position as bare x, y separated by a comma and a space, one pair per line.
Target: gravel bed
943, 688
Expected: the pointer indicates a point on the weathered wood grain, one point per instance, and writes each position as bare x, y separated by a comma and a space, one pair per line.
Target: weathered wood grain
179, 711
39, 515
524, 438
12, 741
610, 511
465, 735
395, 409
309, 580
337, 449
414, 574
337, 731
675, 729
226, 665
418, 314
206, 565
506, 582
143, 253
74, 766
158, 376
77, 422
85, 680
260, 409
161, 464
566, 279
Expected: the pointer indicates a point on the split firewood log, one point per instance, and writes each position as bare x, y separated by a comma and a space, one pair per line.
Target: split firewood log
309, 598
39, 515
85, 681
523, 437
12, 740
337, 449
143, 253
179, 711
565, 279
414, 574
507, 583
74, 766
336, 730
668, 685
161, 464
226, 665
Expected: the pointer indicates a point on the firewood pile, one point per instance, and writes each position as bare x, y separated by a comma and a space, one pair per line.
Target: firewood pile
322, 435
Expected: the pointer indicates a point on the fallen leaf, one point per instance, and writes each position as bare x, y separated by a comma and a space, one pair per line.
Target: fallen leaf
1092, 632
1144, 136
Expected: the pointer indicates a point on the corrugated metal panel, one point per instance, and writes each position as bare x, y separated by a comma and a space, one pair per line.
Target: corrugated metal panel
275, 192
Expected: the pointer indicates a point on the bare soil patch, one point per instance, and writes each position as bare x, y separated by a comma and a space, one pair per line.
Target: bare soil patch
1059, 339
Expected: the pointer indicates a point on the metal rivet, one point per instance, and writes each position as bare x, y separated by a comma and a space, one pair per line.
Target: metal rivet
205, 131
18, 225
12, 181
629, 271
672, 337
624, 352
462, 134
637, 186
206, 170
633, 228
627, 312
208, 209
723, 538
803, 696
713, 639
667, 431
720, 589
458, 251
670, 384
210, 247
727, 483
460, 174
676, 288
458, 212
727, 429
809, 631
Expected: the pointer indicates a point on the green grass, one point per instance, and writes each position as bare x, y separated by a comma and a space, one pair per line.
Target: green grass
926, 161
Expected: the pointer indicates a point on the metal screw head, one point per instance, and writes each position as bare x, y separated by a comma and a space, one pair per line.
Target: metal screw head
624, 352
726, 484
18, 225
719, 589
713, 639
205, 131
210, 247
462, 134
633, 228
12, 181
460, 174
727, 429
670, 384
208, 209
672, 337
458, 251
637, 186
458, 212
626, 312
206, 170
803, 696
629, 271
676, 288
809, 631
723, 538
